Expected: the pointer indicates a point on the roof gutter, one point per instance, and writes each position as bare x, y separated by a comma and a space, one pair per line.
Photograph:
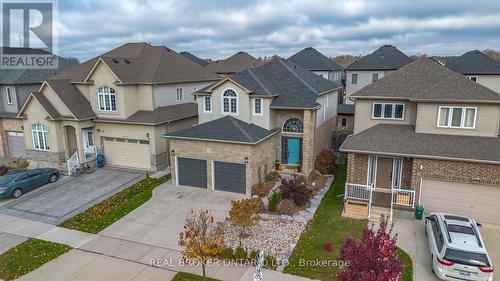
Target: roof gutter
222, 141
422, 100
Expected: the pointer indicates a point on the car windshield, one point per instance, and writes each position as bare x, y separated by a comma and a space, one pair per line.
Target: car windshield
466, 258
5, 179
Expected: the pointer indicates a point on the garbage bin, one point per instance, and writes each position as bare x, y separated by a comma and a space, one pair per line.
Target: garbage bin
100, 160
419, 212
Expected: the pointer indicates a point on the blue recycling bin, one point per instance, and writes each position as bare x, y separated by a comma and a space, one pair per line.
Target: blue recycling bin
100, 160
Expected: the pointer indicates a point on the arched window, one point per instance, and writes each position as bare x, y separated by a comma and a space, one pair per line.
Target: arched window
106, 98
229, 102
293, 125
40, 136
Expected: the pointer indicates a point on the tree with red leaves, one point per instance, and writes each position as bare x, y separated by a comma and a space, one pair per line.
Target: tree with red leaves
374, 259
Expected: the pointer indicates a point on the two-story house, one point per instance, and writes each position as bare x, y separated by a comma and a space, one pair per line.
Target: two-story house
194, 58
247, 121
233, 64
15, 87
373, 67
119, 104
314, 61
429, 136
479, 68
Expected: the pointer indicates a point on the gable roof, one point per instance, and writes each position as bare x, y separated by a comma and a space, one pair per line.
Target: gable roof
42, 100
68, 93
225, 129
386, 57
31, 76
142, 63
159, 115
235, 63
311, 59
291, 85
425, 80
195, 59
475, 62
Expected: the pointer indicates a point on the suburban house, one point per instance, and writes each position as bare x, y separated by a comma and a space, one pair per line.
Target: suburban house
373, 67
15, 87
120, 103
429, 136
278, 111
195, 59
233, 64
479, 68
312, 60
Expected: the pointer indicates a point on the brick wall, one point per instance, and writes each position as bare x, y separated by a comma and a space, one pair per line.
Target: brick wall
357, 168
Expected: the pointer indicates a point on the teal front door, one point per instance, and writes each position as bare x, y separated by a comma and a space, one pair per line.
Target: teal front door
293, 150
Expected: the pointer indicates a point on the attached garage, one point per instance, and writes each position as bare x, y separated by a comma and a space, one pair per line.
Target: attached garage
127, 153
473, 200
192, 172
230, 177
15, 141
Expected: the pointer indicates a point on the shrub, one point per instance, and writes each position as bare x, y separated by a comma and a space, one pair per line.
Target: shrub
261, 189
287, 207
325, 162
296, 189
227, 254
253, 256
272, 176
244, 213
270, 262
328, 246
274, 199
314, 175
375, 258
240, 254
22, 163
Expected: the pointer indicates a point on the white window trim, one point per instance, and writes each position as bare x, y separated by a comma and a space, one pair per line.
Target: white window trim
393, 111
368, 171
324, 110
292, 133
373, 75
35, 139
177, 94
222, 103
357, 77
472, 76
326, 97
104, 96
261, 107
8, 95
462, 118
205, 104
400, 172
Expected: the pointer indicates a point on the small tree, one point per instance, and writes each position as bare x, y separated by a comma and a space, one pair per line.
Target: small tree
374, 259
325, 162
202, 239
244, 214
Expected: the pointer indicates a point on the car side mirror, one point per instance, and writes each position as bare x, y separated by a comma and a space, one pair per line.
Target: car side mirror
427, 218
479, 225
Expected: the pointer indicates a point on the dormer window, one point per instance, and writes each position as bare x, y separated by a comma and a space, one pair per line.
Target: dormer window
257, 107
473, 78
229, 102
106, 99
207, 104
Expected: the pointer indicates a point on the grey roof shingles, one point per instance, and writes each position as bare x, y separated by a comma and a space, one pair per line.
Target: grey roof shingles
312, 59
233, 64
402, 140
475, 62
225, 129
76, 103
347, 109
386, 57
195, 59
425, 80
160, 115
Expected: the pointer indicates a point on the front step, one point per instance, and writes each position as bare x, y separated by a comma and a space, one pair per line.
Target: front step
355, 209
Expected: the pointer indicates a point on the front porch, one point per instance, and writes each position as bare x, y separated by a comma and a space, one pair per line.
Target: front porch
79, 145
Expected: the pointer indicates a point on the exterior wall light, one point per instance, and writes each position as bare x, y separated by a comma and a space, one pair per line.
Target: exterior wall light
246, 159
420, 167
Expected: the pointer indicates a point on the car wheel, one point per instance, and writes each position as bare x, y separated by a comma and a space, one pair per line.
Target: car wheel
53, 178
17, 193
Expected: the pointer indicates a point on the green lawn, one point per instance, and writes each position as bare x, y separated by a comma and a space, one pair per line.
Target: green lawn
28, 256
328, 226
408, 274
183, 276
105, 213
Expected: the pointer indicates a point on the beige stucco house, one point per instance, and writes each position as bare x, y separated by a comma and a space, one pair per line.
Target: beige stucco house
247, 121
119, 104
425, 135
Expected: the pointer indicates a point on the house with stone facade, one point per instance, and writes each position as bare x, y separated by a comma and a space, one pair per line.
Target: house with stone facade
428, 136
119, 104
247, 121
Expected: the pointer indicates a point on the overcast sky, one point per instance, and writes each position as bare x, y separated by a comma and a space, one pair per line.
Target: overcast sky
217, 29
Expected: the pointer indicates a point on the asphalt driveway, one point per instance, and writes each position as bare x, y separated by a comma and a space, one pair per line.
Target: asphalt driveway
54, 203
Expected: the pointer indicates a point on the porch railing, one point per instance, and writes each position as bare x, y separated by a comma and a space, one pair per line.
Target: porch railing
402, 197
73, 162
359, 192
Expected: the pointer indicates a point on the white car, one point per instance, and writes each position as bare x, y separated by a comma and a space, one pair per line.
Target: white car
457, 248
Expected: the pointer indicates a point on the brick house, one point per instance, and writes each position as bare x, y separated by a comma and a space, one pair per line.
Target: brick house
425, 135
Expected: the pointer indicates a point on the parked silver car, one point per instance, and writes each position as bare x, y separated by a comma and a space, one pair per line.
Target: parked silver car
457, 248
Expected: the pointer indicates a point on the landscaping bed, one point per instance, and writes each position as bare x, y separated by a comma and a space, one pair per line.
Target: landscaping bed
105, 213
28, 256
184, 276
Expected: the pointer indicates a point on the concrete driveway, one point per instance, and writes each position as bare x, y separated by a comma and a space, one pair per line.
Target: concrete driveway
412, 239
159, 221
54, 203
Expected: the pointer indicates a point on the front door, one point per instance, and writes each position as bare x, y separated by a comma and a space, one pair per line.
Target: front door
88, 143
384, 172
293, 150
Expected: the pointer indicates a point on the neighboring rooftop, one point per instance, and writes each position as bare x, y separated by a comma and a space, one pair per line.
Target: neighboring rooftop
235, 63
386, 57
312, 59
475, 62
195, 59
402, 140
159, 115
225, 129
347, 109
425, 80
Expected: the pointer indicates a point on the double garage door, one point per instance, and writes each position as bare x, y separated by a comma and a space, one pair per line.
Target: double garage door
127, 153
226, 176
472, 200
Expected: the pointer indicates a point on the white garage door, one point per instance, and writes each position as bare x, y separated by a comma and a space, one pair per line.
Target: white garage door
127, 153
473, 200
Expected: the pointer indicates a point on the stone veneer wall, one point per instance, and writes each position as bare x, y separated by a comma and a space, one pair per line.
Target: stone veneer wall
6, 124
308, 141
44, 159
159, 161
